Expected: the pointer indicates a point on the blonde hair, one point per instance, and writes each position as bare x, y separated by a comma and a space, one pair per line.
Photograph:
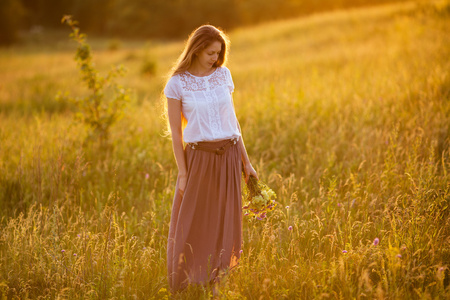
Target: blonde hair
198, 40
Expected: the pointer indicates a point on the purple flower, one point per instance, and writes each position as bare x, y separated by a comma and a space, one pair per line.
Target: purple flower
63, 250
246, 214
147, 176
287, 207
245, 207
399, 255
78, 235
263, 215
339, 205
74, 254
376, 241
241, 251
290, 228
344, 251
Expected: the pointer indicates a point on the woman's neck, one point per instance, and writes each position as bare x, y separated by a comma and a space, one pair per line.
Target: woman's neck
197, 70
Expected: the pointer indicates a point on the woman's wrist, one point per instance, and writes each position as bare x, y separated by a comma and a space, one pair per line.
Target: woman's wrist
247, 163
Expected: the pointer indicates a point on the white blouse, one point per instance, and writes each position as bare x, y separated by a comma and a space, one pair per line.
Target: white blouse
206, 104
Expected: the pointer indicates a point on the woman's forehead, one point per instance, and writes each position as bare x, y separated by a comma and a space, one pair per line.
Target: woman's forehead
214, 46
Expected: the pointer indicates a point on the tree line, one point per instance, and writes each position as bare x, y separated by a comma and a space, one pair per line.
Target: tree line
154, 18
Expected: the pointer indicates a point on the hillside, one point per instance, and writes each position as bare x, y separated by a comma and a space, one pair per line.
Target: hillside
345, 115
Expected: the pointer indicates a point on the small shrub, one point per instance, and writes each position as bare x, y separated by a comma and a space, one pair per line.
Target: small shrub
114, 45
106, 101
149, 67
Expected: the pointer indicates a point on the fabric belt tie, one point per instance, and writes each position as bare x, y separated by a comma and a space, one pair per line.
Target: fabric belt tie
218, 151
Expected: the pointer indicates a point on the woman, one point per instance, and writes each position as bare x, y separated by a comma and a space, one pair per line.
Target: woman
206, 222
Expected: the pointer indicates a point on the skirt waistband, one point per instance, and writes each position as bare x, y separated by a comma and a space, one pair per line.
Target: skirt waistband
217, 147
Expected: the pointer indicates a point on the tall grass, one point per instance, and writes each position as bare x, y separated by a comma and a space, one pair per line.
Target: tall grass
346, 115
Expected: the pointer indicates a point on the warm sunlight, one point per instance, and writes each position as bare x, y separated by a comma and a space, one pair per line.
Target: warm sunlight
314, 161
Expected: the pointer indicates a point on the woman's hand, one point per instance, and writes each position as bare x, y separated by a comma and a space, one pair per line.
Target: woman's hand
182, 179
249, 171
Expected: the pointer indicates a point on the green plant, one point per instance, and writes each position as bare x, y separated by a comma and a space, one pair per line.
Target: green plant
114, 45
148, 67
106, 100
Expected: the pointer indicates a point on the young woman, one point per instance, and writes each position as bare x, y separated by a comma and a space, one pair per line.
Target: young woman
206, 222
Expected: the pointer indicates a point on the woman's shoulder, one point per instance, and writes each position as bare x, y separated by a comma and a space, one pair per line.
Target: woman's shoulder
172, 88
173, 80
224, 69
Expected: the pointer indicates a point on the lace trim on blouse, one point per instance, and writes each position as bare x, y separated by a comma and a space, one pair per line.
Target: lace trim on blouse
193, 83
207, 104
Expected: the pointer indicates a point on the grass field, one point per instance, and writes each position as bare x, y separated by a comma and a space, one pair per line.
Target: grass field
345, 115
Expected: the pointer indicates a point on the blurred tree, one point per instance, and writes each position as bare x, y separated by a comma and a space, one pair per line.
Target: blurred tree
12, 13
95, 15
157, 18
47, 13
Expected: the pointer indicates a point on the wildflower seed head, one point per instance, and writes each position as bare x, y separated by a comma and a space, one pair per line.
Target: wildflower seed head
376, 241
290, 228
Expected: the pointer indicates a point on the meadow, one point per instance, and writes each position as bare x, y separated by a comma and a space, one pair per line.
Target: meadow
345, 115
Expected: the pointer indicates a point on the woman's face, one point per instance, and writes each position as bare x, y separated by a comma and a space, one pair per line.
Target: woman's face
208, 56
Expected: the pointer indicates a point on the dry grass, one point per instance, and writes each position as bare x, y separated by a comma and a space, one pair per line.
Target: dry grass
346, 115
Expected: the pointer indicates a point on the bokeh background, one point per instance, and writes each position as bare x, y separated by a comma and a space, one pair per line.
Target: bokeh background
345, 112
155, 18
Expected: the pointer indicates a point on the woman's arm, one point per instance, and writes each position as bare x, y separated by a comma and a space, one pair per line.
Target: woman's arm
248, 168
174, 112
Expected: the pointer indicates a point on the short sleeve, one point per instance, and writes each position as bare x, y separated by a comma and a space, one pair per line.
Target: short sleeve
230, 81
172, 89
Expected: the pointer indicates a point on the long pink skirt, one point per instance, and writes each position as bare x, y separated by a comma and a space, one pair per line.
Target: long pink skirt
205, 231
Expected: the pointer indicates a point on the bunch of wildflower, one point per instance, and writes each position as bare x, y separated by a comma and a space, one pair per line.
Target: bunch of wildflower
258, 199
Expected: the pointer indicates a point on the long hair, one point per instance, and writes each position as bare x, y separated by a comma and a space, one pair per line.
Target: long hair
198, 40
